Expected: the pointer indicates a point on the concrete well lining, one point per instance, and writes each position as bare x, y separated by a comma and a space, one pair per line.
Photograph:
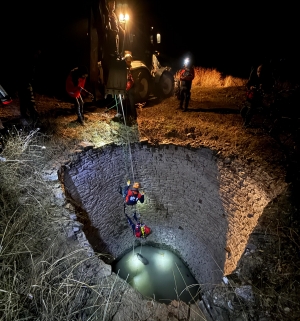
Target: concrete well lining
196, 204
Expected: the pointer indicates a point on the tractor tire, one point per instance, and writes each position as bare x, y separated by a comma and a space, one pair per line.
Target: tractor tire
142, 80
166, 85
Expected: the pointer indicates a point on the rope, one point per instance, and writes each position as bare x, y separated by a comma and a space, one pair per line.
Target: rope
129, 147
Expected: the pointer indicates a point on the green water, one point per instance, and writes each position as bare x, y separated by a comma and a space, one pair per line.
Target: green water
164, 277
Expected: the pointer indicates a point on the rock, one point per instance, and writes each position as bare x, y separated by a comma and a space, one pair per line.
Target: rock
73, 217
203, 314
71, 234
245, 292
69, 206
251, 247
227, 160
85, 145
247, 252
230, 306
78, 224
50, 175
287, 310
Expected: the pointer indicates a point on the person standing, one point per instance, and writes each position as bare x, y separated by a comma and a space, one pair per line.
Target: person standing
130, 90
186, 76
27, 72
74, 85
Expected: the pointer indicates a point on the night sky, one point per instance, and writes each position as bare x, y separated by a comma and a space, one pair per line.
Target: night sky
229, 36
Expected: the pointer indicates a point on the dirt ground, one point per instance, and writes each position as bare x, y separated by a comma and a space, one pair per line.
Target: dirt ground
213, 120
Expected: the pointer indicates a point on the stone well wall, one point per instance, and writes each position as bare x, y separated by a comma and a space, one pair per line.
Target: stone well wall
201, 206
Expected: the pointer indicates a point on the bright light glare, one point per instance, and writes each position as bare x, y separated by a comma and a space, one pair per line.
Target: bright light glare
142, 281
164, 261
134, 264
123, 17
186, 61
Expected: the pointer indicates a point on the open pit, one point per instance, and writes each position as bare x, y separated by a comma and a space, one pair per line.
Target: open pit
197, 204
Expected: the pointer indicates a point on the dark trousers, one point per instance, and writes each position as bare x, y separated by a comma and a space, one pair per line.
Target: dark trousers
130, 103
131, 223
253, 109
27, 101
185, 95
79, 107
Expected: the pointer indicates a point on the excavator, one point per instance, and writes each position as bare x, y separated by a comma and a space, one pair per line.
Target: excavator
108, 74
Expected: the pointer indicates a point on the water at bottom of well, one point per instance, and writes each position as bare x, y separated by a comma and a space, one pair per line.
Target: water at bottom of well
158, 274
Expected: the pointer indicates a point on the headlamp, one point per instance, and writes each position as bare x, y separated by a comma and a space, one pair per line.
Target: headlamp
186, 61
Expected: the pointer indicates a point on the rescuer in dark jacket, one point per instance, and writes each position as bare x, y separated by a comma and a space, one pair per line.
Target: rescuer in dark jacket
131, 194
186, 76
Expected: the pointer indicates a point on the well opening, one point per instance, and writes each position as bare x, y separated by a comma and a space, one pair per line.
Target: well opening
195, 203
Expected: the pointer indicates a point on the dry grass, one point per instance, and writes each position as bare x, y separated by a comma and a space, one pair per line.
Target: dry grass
43, 274
207, 77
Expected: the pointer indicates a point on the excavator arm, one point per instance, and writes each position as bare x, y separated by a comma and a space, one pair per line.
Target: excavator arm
107, 71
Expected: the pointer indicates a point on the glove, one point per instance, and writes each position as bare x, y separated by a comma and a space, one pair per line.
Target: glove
128, 182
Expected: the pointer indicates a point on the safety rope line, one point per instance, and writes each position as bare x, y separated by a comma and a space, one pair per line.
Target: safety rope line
129, 147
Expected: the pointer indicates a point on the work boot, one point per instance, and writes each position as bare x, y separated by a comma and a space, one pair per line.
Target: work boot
80, 120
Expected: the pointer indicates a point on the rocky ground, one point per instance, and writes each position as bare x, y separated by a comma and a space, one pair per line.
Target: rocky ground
271, 267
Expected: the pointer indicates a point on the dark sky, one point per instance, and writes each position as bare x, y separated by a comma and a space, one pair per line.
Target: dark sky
225, 35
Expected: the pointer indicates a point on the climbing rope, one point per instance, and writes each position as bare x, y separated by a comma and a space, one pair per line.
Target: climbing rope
129, 147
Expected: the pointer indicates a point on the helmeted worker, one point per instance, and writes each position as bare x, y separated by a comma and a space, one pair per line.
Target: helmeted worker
130, 90
74, 85
186, 76
131, 194
140, 230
